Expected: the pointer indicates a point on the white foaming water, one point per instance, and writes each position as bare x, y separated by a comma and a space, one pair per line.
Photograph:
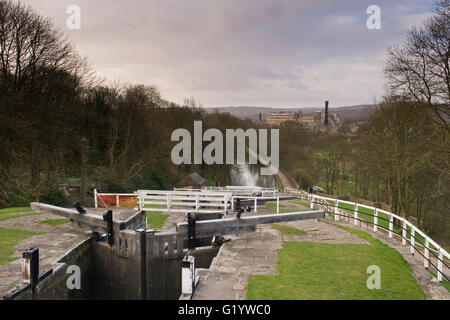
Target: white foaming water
242, 176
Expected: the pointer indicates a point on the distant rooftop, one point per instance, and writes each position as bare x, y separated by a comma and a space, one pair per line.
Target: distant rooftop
197, 178
282, 113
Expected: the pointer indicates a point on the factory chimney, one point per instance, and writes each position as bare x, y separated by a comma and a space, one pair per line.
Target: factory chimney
326, 112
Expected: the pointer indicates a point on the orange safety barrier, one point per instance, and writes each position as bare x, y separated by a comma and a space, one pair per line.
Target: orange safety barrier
117, 201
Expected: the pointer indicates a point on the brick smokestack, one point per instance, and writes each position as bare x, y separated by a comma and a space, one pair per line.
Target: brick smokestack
326, 112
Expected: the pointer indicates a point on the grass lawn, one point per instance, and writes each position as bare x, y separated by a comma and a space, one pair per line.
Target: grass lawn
280, 184
273, 208
287, 230
383, 221
11, 213
288, 210
336, 271
210, 182
9, 238
155, 205
273, 205
16, 209
56, 222
6, 216
298, 201
445, 283
367, 214
156, 219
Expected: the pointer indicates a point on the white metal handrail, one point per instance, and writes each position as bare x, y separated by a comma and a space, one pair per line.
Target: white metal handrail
441, 252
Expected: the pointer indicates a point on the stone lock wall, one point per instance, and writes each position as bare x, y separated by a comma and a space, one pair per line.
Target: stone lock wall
141, 264
54, 285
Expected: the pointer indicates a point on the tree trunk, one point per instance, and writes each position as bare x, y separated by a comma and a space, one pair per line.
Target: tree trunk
84, 165
35, 168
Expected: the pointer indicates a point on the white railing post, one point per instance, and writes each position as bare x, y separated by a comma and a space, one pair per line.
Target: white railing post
256, 203
232, 203
188, 278
404, 233
441, 252
95, 198
196, 203
391, 225
141, 202
439, 271
168, 202
336, 210
117, 201
375, 220
278, 204
225, 202
427, 253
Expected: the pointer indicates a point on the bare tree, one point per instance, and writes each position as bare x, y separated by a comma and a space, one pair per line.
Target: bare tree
420, 68
399, 150
35, 59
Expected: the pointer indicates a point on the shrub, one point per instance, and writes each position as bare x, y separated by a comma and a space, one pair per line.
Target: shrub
54, 196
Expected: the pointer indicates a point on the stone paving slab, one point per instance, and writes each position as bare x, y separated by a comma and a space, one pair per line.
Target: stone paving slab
171, 222
33, 223
233, 265
321, 232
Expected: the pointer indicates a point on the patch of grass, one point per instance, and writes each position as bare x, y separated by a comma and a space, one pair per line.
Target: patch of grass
273, 208
445, 283
287, 230
298, 201
366, 214
16, 209
9, 238
6, 216
288, 210
336, 271
56, 222
383, 221
156, 219
273, 205
156, 205
278, 179
210, 182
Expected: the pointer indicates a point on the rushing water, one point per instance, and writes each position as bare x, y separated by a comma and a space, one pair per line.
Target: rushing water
249, 175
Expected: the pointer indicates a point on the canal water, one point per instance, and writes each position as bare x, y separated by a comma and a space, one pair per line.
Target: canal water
249, 175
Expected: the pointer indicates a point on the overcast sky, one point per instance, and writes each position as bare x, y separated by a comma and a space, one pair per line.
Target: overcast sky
266, 53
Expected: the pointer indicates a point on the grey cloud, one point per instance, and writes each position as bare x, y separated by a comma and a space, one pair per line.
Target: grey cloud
254, 52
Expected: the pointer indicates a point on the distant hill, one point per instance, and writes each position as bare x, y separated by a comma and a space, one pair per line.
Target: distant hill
345, 113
